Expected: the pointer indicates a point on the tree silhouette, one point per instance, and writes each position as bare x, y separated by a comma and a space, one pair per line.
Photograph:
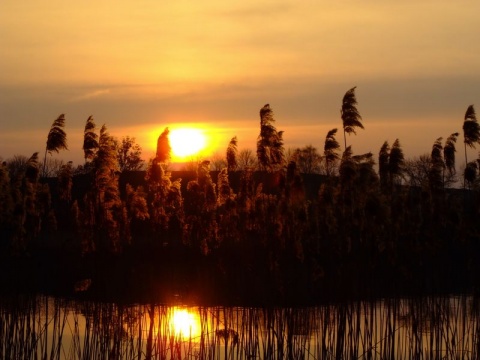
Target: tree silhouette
129, 154
218, 162
56, 139
350, 116
246, 159
53, 167
232, 154
270, 142
330, 151
308, 160
471, 131
90, 139
417, 170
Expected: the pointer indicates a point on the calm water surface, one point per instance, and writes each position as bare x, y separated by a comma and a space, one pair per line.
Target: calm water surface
44, 327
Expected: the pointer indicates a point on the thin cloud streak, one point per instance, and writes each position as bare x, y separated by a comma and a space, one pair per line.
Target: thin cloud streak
90, 95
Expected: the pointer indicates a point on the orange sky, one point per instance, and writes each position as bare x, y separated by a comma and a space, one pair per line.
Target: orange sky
140, 66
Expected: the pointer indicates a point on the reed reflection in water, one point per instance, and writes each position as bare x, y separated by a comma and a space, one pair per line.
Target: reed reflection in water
427, 328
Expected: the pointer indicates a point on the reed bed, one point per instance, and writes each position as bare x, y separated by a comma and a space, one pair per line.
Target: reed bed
43, 327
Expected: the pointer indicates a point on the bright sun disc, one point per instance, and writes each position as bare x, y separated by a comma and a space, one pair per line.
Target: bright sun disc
186, 142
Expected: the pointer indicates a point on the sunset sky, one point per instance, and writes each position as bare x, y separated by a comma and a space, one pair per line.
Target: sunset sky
140, 66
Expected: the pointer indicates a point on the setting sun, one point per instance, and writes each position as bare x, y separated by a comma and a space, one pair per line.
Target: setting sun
186, 142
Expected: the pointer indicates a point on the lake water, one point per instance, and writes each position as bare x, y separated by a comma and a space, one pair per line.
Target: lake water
420, 328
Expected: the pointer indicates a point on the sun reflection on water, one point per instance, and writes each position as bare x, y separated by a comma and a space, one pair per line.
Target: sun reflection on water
181, 323
185, 323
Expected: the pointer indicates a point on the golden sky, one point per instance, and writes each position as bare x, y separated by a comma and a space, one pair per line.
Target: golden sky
140, 66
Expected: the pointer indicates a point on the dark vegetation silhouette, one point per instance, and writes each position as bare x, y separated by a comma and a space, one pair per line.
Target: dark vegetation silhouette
90, 139
315, 227
308, 160
351, 118
56, 139
471, 136
330, 152
129, 154
270, 150
163, 147
232, 154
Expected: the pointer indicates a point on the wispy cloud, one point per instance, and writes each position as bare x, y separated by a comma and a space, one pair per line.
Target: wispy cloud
90, 95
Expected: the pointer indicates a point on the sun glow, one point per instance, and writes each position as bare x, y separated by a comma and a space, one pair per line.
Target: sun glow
185, 323
186, 142
189, 142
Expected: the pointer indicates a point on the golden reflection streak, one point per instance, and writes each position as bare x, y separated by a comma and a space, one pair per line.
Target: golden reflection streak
185, 323
180, 322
